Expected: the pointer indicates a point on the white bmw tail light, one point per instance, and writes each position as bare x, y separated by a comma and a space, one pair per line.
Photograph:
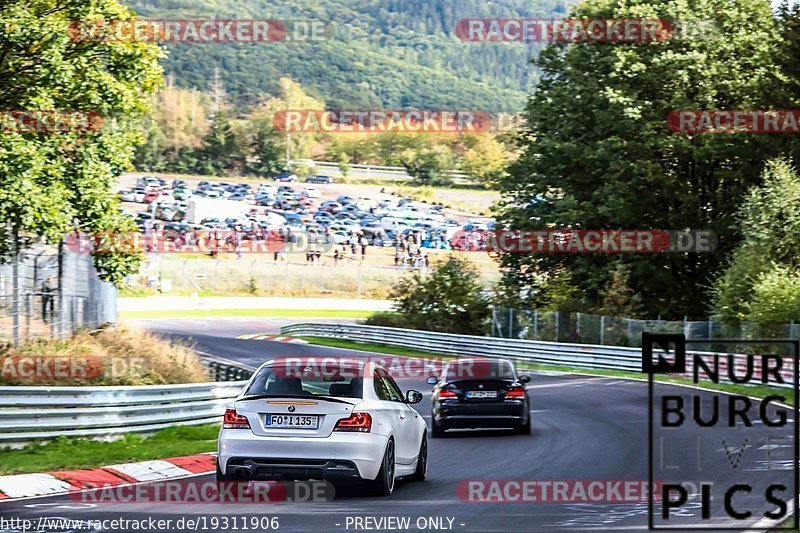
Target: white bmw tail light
235, 421
359, 422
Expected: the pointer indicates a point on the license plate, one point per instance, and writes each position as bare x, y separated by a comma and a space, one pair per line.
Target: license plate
292, 421
482, 394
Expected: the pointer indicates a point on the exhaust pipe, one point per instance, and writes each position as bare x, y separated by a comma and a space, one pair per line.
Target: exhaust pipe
244, 473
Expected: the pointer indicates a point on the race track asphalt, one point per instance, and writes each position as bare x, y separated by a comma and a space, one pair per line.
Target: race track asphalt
584, 428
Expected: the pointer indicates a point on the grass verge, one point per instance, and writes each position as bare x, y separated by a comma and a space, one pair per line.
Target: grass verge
67, 453
277, 313
756, 391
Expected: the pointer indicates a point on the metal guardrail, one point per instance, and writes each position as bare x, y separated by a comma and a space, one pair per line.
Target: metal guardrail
582, 356
521, 351
42, 413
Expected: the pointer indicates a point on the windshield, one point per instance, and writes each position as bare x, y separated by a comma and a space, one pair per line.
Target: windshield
478, 369
278, 381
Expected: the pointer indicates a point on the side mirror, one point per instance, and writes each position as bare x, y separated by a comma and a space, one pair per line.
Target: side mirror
413, 396
433, 380
525, 379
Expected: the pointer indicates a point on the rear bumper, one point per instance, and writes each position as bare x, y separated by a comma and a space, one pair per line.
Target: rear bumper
261, 468
338, 456
485, 415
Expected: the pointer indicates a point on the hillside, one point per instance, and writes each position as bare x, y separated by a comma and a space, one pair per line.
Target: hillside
377, 54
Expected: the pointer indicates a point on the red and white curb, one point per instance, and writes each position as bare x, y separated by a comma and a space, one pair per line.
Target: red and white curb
275, 338
62, 482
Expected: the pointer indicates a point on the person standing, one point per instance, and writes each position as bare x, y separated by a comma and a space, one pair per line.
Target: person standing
48, 292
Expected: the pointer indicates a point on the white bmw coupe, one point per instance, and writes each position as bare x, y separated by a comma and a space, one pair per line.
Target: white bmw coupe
348, 421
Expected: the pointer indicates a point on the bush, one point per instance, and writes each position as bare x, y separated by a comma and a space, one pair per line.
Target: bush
120, 356
448, 300
776, 297
386, 319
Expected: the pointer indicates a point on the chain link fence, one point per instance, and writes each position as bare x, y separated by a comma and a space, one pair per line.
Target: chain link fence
585, 328
52, 292
263, 276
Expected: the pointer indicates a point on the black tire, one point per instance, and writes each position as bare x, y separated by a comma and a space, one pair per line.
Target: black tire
525, 429
437, 431
221, 478
383, 485
422, 461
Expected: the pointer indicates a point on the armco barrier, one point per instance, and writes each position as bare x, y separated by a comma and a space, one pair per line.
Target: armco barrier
521, 351
42, 413
583, 356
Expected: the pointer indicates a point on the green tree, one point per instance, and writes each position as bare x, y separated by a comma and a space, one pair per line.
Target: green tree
429, 167
775, 297
618, 297
292, 97
176, 130
449, 299
51, 184
221, 150
598, 153
486, 159
769, 220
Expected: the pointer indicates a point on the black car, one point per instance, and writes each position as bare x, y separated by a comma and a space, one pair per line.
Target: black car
319, 178
480, 393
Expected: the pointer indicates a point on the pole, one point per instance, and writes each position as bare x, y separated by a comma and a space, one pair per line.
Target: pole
536, 324
61, 290
15, 287
556, 339
602, 328
510, 322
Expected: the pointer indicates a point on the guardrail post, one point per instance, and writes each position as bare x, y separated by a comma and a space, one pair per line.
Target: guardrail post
602, 329
510, 322
536, 324
556, 315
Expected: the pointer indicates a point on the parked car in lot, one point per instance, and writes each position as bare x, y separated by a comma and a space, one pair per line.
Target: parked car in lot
138, 195
480, 393
286, 177
179, 184
319, 178
330, 206
351, 423
182, 193
151, 196
126, 195
311, 192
